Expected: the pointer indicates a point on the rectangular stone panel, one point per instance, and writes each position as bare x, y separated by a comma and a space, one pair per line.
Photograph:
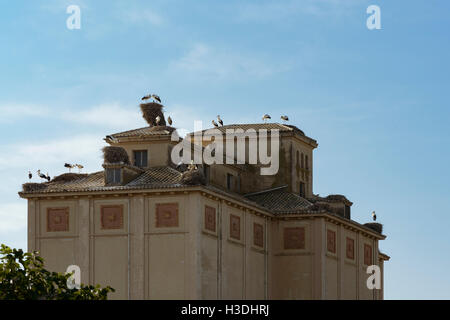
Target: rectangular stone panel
331, 241
166, 215
350, 248
210, 218
57, 219
111, 217
235, 227
258, 234
294, 238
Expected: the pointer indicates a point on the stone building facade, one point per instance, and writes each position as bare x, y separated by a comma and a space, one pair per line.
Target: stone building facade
237, 235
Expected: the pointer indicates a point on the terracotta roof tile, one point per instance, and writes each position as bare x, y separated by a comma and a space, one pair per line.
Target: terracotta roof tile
142, 132
279, 200
157, 177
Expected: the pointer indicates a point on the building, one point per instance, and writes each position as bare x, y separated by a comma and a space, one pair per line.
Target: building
150, 233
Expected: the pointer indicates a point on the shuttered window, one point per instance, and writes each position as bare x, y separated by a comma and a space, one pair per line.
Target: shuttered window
113, 176
140, 158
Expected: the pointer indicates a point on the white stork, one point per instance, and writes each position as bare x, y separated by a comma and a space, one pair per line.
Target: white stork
374, 216
219, 120
156, 97
215, 124
266, 117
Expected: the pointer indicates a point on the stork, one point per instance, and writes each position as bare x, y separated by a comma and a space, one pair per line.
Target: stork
169, 120
79, 166
48, 177
215, 124
219, 120
192, 166
374, 216
30, 175
266, 117
158, 120
284, 118
146, 97
41, 175
69, 166
156, 97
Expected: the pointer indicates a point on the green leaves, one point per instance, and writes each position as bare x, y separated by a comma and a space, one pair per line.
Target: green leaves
23, 277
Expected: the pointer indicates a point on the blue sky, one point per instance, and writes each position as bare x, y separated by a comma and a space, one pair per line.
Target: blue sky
376, 101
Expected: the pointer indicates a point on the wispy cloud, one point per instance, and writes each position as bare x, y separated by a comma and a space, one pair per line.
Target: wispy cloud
270, 11
13, 217
145, 16
11, 112
205, 62
107, 115
51, 154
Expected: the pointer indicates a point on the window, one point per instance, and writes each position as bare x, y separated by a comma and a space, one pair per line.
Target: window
347, 212
302, 189
229, 181
140, 158
306, 163
206, 172
303, 161
113, 176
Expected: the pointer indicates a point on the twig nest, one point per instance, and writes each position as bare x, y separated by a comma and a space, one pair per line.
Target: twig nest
378, 227
68, 177
152, 110
33, 186
113, 154
193, 177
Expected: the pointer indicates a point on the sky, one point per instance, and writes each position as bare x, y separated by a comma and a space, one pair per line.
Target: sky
375, 100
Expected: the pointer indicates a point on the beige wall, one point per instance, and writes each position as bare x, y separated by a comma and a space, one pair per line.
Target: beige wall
188, 261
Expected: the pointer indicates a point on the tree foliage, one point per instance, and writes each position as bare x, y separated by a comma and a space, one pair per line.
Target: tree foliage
23, 276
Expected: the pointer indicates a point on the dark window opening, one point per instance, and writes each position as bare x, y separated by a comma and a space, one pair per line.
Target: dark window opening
229, 181
113, 176
206, 172
302, 189
347, 212
140, 158
303, 161
306, 163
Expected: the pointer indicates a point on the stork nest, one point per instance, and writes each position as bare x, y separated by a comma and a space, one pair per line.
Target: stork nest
150, 111
378, 227
336, 197
115, 155
33, 186
320, 206
193, 177
68, 177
